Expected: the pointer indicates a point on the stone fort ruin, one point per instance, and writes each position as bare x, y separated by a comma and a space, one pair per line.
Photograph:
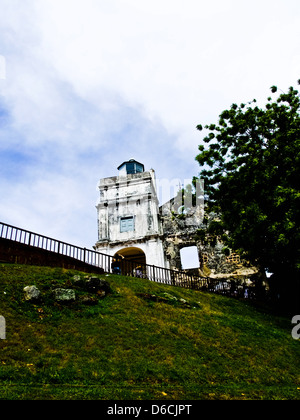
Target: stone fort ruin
133, 225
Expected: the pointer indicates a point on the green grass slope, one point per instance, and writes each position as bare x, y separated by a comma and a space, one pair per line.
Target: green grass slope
143, 341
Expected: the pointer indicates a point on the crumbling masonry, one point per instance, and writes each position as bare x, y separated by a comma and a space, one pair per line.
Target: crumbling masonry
131, 224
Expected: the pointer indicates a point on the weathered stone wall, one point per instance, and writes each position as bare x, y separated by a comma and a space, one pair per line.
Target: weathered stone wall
132, 195
191, 229
161, 232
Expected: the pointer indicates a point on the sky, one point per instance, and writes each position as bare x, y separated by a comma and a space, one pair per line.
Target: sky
88, 84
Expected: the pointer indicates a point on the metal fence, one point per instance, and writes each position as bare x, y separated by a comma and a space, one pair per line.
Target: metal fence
112, 264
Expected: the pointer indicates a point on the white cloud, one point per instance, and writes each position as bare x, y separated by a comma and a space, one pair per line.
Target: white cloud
90, 83
166, 57
171, 59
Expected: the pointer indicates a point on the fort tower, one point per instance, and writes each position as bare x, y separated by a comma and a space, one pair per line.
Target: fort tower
128, 215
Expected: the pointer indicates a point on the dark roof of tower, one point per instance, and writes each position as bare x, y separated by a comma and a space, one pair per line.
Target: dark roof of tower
131, 161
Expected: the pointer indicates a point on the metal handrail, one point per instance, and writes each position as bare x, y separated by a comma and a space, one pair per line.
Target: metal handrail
104, 261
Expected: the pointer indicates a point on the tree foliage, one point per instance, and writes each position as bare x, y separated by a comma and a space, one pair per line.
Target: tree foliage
250, 163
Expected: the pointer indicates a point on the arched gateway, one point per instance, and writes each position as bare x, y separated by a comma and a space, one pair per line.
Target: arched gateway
133, 254
130, 261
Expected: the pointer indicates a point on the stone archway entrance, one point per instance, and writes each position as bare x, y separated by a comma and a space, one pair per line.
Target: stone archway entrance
132, 261
133, 254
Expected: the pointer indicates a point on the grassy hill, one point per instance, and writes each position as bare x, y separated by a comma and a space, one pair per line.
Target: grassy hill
143, 341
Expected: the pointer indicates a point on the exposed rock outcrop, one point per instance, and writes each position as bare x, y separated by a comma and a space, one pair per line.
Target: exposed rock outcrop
32, 293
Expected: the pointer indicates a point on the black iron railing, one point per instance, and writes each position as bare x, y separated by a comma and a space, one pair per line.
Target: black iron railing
111, 264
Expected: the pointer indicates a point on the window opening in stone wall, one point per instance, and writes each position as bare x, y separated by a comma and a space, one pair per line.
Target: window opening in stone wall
233, 258
204, 258
127, 224
189, 257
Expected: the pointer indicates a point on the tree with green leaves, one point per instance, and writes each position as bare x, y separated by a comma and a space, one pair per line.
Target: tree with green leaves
250, 163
